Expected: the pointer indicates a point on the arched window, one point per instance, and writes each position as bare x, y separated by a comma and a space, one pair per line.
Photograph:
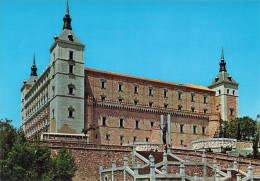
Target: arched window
71, 88
71, 112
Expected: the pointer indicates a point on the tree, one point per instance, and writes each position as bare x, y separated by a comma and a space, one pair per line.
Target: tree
244, 128
65, 166
21, 160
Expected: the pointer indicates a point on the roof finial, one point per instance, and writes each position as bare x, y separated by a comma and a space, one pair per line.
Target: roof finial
222, 63
67, 19
33, 68
67, 10
222, 55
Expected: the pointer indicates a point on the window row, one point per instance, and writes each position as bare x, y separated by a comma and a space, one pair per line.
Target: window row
194, 130
150, 104
122, 138
122, 122
150, 91
228, 92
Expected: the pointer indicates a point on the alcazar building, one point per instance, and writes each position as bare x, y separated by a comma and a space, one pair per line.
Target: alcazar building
119, 109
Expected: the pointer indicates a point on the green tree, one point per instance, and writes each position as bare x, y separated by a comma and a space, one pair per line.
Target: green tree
21, 160
64, 165
244, 128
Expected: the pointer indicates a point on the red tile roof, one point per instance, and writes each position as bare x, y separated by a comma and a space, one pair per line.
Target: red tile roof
152, 80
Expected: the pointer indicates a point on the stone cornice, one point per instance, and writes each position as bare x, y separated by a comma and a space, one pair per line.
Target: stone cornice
151, 110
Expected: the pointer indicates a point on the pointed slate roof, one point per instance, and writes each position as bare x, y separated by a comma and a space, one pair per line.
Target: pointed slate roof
223, 76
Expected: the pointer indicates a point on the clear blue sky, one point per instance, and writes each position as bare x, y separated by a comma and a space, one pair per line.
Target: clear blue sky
177, 41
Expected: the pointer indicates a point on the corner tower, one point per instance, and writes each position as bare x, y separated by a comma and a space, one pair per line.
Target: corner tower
67, 81
226, 92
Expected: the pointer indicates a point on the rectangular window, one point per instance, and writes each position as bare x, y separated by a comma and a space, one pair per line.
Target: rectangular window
165, 106
192, 97
179, 95
205, 99
70, 90
107, 136
165, 93
182, 142
71, 69
104, 121
121, 123
120, 86
137, 124
181, 128
152, 124
71, 55
147, 139
194, 129
103, 84
203, 130
136, 102
179, 107
233, 92
70, 113
192, 109
150, 91
231, 112
134, 139
103, 98
136, 89
227, 91
205, 111
150, 104
120, 100
121, 138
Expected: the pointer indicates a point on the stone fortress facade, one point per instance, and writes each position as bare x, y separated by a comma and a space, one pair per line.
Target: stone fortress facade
67, 98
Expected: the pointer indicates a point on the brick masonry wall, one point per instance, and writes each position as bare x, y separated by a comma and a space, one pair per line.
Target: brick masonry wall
88, 157
93, 88
231, 104
145, 130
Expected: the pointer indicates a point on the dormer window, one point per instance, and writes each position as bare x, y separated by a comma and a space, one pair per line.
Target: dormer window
229, 78
71, 55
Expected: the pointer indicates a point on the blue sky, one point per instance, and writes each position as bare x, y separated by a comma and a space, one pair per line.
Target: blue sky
177, 41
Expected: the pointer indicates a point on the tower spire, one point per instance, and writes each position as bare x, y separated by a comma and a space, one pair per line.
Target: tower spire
34, 68
67, 19
67, 9
222, 63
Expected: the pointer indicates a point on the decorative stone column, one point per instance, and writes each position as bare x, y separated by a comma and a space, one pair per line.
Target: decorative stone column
162, 125
169, 131
187, 158
182, 169
125, 161
238, 177
196, 176
203, 157
100, 170
217, 175
250, 172
229, 171
235, 165
152, 168
165, 161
